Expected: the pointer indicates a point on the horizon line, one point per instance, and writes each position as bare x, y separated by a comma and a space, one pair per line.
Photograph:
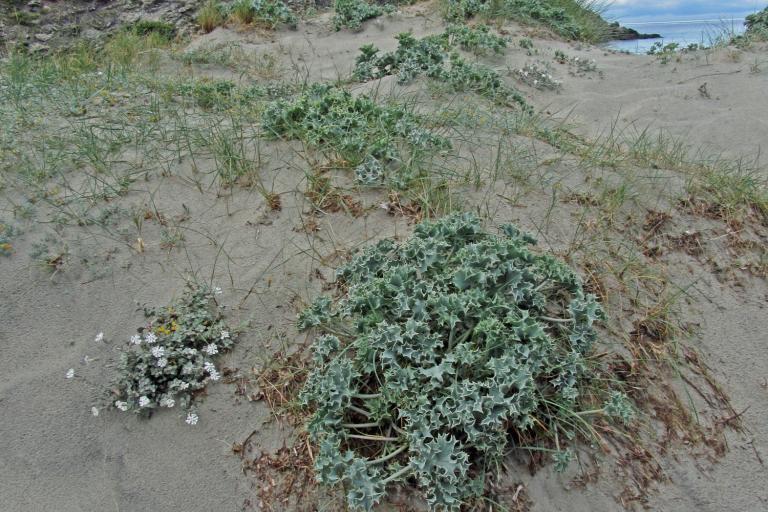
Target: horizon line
680, 21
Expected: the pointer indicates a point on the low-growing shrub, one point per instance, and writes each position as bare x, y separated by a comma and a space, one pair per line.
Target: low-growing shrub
666, 52
757, 25
573, 19
428, 56
224, 94
478, 39
351, 130
537, 77
171, 359
577, 65
352, 13
442, 353
411, 58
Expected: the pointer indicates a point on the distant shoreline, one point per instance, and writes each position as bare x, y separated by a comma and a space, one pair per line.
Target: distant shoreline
682, 22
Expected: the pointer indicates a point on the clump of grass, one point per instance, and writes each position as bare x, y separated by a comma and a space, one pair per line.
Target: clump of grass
145, 27
209, 94
269, 13
352, 13
352, 131
210, 16
171, 360
128, 48
428, 56
25, 18
442, 351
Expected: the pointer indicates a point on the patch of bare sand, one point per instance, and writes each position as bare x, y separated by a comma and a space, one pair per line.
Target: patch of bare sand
715, 100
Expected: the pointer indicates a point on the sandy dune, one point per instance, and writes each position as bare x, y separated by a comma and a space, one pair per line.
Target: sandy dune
56, 455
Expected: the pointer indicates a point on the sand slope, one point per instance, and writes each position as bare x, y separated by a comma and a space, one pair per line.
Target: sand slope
55, 455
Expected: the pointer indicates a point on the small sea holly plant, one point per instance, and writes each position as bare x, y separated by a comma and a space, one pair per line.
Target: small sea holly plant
172, 358
352, 13
432, 56
354, 131
442, 354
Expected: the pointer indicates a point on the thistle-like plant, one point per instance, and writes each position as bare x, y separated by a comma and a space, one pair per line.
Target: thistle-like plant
572, 23
171, 359
757, 25
477, 39
443, 352
352, 13
431, 56
353, 130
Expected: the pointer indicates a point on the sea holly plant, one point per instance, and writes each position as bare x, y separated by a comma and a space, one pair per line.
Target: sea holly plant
273, 13
443, 353
551, 14
477, 39
432, 57
352, 13
354, 131
172, 358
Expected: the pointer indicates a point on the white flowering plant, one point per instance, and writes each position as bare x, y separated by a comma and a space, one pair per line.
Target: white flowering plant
537, 77
578, 65
172, 359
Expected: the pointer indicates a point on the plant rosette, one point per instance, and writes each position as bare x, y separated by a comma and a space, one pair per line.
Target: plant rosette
444, 350
172, 359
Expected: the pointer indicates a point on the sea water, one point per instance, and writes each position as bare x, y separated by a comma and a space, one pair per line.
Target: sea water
682, 31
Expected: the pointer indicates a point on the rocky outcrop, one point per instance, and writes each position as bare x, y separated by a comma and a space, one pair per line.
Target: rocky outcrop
628, 34
40, 25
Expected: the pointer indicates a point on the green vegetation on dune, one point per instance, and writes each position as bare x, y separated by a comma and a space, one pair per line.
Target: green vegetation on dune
354, 131
446, 350
757, 25
432, 56
352, 13
572, 19
438, 352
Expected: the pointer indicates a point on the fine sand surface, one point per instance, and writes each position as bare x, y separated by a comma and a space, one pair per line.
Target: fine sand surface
56, 455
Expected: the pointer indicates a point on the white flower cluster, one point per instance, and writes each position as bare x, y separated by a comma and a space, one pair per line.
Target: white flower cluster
149, 338
213, 373
166, 364
537, 77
